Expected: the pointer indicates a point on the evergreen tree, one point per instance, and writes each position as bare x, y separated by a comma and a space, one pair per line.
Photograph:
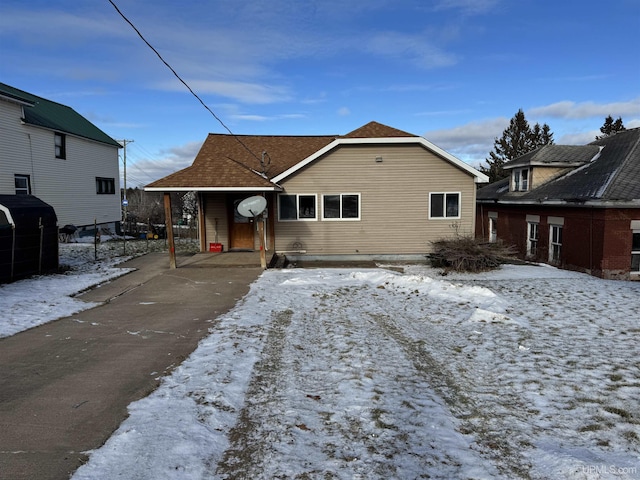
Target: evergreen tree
517, 139
610, 127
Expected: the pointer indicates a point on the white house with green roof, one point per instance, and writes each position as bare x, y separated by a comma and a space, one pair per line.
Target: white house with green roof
52, 152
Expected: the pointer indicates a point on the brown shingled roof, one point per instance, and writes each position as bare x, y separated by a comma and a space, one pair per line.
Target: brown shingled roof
227, 161
377, 130
235, 161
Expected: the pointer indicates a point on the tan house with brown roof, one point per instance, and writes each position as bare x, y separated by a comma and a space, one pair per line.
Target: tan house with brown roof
377, 192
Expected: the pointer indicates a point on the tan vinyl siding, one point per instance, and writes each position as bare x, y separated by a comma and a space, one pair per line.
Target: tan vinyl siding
541, 175
394, 196
216, 216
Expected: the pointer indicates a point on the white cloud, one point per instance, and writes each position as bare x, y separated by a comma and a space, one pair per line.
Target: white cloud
266, 118
471, 142
415, 48
467, 6
143, 167
572, 110
245, 92
344, 111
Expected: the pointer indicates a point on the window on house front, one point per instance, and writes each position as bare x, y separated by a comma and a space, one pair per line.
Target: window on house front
635, 252
22, 184
345, 206
555, 243
60, 145
296, 207
521, 180
444, 205
105, 186
533, 234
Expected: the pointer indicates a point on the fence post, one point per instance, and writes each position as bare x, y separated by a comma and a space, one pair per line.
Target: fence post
41, 227
13, 249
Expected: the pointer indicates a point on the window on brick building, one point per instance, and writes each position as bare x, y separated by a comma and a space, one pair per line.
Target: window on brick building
533, 234
635, 253
555, 243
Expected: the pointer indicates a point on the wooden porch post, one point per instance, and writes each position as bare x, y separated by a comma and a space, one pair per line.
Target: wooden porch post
201, 224
169, 224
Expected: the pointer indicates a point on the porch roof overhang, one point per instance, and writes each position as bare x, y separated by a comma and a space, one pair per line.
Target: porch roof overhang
275, 188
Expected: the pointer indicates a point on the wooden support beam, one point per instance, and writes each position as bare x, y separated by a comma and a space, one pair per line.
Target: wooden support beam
169, 224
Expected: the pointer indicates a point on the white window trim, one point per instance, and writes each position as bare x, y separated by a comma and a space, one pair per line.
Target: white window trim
297, 219
62, 145
340, 219
529, 230
28, 180
517, 181
551, 243
444, 205
634, 252
493, 229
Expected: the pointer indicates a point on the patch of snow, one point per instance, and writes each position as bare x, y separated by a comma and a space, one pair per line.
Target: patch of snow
525, 372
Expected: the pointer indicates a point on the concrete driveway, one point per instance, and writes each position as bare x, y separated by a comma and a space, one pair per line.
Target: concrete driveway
65, 386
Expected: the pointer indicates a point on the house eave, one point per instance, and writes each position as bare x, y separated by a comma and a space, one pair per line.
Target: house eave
578, 203
213, 189
17, 100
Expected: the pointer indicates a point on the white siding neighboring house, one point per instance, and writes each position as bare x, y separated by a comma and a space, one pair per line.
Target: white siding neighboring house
50, 151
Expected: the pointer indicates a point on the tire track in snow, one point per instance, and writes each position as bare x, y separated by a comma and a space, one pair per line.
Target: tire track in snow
246, 451
333, 384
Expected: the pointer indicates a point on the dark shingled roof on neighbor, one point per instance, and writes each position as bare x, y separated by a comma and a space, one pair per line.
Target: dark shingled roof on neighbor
55, 116
613, 175
228, 161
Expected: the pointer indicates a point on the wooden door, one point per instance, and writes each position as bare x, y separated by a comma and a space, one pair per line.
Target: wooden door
241, 229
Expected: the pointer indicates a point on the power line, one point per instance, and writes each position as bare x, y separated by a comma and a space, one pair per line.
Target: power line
182, 81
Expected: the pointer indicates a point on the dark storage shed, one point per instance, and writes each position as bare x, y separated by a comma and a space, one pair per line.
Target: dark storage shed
28, 237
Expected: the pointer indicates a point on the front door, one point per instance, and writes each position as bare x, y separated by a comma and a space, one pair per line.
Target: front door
241, 229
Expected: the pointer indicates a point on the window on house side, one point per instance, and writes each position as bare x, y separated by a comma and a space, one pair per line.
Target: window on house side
105, 186
532, 238
341, 207
22, 184
444, 205
60, 143
521, 180
635, 253
525, 179
555, 243
296, 207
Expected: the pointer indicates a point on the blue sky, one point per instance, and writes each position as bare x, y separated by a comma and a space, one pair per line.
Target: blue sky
453, 71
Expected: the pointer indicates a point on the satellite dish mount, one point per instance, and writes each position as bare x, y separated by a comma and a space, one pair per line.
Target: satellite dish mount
252, 207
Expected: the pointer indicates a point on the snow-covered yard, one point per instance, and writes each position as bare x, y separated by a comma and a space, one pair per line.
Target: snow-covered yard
527, 372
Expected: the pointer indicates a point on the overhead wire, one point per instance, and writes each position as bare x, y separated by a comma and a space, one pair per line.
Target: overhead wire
182, 81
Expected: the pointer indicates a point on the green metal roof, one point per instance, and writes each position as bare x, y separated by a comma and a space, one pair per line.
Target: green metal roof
55, 116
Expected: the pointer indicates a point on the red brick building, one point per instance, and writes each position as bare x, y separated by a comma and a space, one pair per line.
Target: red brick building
577, 207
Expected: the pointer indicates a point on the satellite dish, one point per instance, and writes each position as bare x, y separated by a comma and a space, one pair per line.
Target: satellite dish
252, 206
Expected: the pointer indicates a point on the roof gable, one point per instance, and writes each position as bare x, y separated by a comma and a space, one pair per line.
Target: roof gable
376, 130
227, 162
44, 113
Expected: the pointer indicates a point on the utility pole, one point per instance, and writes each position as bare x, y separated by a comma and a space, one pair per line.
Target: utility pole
125, 202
